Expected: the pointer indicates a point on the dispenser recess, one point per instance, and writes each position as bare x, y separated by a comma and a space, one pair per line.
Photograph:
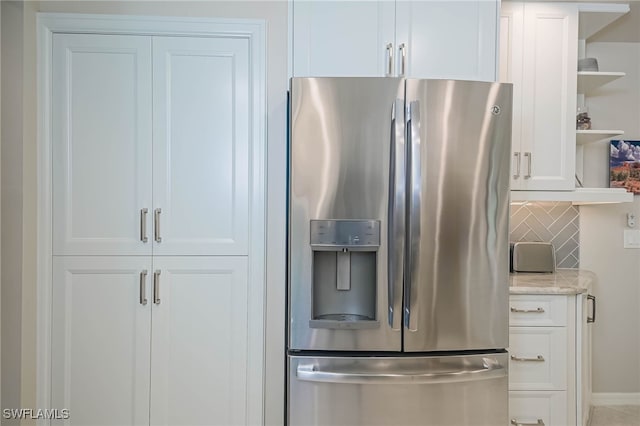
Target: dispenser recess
344, 273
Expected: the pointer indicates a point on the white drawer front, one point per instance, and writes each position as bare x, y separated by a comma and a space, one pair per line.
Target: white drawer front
538, 310
538, 358
531, 408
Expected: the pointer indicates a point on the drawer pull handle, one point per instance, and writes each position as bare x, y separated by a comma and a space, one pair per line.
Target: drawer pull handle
517, 423
528, 311
539, 358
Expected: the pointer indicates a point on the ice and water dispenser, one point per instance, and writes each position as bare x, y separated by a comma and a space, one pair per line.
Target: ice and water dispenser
344, 267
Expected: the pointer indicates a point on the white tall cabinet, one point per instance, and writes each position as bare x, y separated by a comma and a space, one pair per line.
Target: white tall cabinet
151, 191
421, 39
538, 54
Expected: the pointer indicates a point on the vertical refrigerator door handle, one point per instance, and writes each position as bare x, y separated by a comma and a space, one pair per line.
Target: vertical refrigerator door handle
389, 67
413, 216
395, 228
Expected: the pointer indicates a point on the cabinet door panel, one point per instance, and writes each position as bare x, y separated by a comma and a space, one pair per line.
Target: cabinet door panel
449, 39
532, 407
100, 340
199, 342
548, 92
342, 38
526, 372
101, 121
511, 39
203, 108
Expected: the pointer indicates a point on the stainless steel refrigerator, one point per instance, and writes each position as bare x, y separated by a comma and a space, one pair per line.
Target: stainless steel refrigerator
398, 252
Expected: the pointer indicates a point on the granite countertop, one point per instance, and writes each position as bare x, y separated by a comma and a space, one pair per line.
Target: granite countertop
563, 281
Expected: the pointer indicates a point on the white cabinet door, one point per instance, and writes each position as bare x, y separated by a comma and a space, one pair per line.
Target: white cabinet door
100, 344
101, 143
538, 408
449, 39
510, 71
202, 121
548, 140
343, 38
199, 341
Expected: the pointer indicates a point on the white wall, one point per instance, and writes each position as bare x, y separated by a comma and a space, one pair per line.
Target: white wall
275, 14
11, 190
616, 333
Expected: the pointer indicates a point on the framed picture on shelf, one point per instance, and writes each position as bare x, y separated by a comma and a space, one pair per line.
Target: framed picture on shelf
624, 165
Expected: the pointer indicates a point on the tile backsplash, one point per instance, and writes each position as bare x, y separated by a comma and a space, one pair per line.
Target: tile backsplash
554, 222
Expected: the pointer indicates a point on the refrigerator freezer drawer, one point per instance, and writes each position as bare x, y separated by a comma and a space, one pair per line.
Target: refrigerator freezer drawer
393, 391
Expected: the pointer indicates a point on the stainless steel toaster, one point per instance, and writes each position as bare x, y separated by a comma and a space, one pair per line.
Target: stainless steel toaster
532, 257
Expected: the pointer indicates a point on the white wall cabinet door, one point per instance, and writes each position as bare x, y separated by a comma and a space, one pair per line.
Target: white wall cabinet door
544, 141
510, 71
420, 39
448, 39
199, 341
202, 115
100, 339
343, 38
101, 144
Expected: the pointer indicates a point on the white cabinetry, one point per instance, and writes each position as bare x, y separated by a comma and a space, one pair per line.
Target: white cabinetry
538, 55
114, 184
549, 369
101, 339
539, 49
151, 286
432, 39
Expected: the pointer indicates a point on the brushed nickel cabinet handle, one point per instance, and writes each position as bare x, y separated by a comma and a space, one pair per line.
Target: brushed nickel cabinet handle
517, 158
514, 422
156, 287
143, 225
592, 318
528, 311
403, 59
390, 60
156, 231
539, 358
143, 293
528, 156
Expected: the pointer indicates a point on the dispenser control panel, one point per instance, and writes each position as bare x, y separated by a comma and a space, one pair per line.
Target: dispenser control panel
352, 234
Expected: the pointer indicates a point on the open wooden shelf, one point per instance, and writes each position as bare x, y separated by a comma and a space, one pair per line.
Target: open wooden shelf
596, 16
584, 137
579, 196
589, 80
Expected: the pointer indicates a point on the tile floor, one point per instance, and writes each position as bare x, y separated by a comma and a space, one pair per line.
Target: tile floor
615, 415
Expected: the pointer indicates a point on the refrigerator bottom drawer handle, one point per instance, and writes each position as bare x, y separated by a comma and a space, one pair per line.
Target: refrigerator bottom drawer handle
490, 370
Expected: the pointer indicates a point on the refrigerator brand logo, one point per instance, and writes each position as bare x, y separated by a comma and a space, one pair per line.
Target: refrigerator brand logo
495, 110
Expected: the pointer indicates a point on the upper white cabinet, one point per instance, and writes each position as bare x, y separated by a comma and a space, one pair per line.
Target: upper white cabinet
101, 143
150, 145
201, 125
348, 39
538, 55
421, 39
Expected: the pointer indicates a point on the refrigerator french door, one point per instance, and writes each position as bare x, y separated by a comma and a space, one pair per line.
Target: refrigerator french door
398, 250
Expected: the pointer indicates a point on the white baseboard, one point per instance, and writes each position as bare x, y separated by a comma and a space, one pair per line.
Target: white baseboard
615, 398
